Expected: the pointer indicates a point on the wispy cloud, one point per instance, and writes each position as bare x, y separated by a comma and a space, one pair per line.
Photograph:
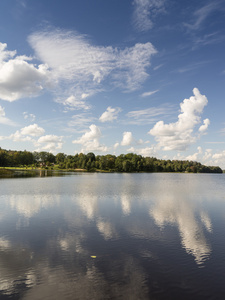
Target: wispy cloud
148, 115
193, 66
147, 94
157, 67
208, 39
80, 67
30, 117
81, 121
144, 11
201, 14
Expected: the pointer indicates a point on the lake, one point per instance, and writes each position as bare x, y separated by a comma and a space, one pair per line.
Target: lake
112, 236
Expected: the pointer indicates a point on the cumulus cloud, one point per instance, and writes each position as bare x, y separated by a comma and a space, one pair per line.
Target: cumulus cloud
110, 114
144, 11
33, 130
195, 156
214, 158
116, 145
127, 138
18, 77
147, 151
25, 134
83, 66
206, 156
50, 143
18, 137
90, 140
205, 126
179, 135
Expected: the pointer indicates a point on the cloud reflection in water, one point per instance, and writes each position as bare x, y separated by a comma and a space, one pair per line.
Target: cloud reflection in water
176, 208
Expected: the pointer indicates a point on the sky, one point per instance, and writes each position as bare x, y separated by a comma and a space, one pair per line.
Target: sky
112, 76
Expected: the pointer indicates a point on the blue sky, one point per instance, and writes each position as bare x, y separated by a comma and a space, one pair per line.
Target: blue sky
142, 76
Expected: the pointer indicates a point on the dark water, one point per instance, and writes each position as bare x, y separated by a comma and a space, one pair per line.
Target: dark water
113, 236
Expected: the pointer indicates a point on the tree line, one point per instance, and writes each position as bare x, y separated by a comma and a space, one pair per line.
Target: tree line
123, 163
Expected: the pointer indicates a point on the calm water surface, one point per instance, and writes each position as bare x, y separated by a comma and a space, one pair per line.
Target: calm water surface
113, 236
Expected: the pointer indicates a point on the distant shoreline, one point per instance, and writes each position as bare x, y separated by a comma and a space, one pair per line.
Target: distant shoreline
10, 171
127, 163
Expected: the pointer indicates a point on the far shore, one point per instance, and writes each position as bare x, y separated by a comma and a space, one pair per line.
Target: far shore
10, 170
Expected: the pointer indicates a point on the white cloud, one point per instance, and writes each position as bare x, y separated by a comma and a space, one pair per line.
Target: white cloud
83, 66
195, 156
179, 135
147, 151
214, 159
32, 130
5, 54
110, 114
18, 78
51, 143
157, 67
2, 111
207, 155
143, 10
25, 134
90, 140
147, 94
116, 145
76, 104
127, 139
51, 138
18, 137
204, 127
3, 119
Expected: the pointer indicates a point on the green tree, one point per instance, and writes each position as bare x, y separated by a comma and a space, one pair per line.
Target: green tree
60, 158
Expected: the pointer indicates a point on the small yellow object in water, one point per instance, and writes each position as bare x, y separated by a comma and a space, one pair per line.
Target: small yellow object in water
93, 256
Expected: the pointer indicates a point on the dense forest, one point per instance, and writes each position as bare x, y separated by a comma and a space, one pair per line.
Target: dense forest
90, 162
